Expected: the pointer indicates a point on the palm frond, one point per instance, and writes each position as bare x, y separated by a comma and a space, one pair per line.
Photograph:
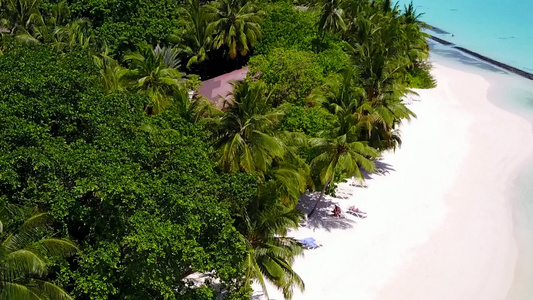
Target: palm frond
13, 290
20, 263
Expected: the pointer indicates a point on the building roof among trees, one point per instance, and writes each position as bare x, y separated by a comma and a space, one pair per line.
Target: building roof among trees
218, 88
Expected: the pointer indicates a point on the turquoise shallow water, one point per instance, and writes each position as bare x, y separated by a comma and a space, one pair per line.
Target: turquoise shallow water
499, 29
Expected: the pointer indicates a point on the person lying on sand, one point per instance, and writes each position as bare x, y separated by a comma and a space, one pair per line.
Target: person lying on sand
357, 212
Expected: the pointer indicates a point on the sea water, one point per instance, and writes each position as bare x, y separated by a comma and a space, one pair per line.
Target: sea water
499, 29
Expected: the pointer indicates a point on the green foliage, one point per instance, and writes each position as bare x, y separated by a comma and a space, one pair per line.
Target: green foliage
238, 195
310, 121
89, 157
24, 255
334, 59
182, 187
245, 133
127, 23
193, 37
236, 24
420, 78
290, 74
287, 27
332, 17
264, 221
340, 155
154, 72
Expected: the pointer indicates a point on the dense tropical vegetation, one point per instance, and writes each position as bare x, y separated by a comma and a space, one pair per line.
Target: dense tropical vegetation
24, 254
117, 181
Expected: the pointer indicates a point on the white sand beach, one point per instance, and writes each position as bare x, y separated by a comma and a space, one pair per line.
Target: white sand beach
440, 217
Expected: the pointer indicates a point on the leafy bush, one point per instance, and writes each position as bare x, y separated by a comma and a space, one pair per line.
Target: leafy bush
334, 59
287, 27
126, 23
139, 194
420, 78
291, 74
307, 120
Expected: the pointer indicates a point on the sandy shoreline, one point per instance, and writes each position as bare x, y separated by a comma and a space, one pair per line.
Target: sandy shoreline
440, 220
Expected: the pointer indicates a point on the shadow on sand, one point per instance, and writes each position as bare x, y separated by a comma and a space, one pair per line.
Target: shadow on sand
322, 217
382, 169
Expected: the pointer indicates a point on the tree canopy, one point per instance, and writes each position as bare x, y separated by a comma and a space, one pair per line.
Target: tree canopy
164, 195
139, 193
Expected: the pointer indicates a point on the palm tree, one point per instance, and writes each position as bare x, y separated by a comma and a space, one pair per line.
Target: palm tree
378, 47
415, 39
378, 54
270, 253
197, 41
235, 24
341, 96
386, 115
361, 119
332, 17
340, 155
196, 108
59, 14
410, 15
383, 47
387, 7
154, 72
23, 258
22, 18
245, 136
21, 14
291, 174
75, 33
111, 72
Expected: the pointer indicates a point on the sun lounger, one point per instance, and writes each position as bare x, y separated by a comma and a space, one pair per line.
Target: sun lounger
356, 212
309, 243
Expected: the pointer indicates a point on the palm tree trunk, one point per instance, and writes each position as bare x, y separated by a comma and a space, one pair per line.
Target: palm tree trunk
203, 70
318, 201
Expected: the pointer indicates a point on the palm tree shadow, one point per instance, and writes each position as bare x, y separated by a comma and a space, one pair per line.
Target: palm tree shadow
322, 218
382, 169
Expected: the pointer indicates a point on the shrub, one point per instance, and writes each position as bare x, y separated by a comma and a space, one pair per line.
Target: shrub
307, 120
126, 23
291, 74
140, 194
334, 59
287, 27
420, 78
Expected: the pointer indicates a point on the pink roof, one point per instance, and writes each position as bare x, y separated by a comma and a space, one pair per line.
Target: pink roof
221, 86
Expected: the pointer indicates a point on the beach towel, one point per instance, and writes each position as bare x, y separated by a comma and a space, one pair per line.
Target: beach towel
309, 243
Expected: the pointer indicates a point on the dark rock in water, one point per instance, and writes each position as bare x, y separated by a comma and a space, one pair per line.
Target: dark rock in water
437, 30
497, 63
486, 59
441, 41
